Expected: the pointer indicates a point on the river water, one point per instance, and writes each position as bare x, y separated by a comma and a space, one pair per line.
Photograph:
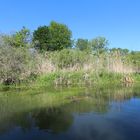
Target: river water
104, 113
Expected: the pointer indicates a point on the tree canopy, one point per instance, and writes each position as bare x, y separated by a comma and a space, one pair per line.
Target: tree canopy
82, 44
99, 45
41, 38
18, 39
56, 36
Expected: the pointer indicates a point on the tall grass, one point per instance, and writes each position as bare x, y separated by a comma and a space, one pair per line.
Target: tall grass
76, 60
66, 67
75, 67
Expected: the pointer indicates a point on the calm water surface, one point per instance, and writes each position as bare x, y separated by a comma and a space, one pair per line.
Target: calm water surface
101, 114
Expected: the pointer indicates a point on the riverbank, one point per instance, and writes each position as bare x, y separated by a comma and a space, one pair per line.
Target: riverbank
52, 110
85, 79
77, 79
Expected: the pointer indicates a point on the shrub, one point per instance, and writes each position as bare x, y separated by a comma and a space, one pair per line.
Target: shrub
15, 64
68, 58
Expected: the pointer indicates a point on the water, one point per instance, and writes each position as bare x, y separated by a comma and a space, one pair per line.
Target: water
70, 114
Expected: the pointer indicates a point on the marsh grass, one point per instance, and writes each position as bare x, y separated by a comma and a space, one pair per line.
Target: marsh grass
79, 78
80, 68
65, 67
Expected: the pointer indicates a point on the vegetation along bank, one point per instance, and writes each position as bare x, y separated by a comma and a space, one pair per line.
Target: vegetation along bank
49, 56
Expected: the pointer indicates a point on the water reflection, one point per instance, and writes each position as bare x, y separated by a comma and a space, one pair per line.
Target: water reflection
100, 113
53, 120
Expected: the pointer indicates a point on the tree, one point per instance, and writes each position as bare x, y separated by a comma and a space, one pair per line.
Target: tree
99, 45
18, 39
122, 51
60, 36
56, 36
82, 44
41, 38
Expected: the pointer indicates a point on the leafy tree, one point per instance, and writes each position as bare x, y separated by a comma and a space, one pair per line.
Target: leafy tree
122, 51
18, 39
56, 36
82, 44
99, 45
41, 38
60, 36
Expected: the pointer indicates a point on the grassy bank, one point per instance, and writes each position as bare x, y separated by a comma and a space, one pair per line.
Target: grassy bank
76, 79
68, 67
47, 57
81, 78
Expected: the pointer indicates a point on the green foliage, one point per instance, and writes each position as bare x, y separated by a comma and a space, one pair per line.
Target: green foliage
47, 79
41, 38
98, 45
60, 36
67, 58
16, 64
134, 58
82, 44
56, 36
123, 52
79, 78
18, 39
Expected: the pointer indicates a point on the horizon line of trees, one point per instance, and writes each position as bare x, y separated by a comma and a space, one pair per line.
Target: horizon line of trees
55, 37
22, 53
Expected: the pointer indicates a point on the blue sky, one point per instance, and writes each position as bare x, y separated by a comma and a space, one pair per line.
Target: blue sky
117, 20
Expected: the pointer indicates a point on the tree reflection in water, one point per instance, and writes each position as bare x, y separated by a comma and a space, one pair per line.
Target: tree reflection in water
26, 114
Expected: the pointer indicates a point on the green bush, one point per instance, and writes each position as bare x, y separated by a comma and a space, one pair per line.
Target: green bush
67, 58
16, 64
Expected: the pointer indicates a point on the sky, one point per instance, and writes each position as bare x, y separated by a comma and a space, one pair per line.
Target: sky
116, 20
